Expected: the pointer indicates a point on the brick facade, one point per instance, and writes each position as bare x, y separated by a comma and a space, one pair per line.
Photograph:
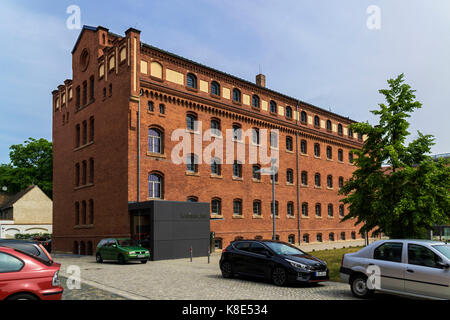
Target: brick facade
90, 204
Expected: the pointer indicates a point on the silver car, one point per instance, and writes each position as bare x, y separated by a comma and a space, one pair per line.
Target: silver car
418, 268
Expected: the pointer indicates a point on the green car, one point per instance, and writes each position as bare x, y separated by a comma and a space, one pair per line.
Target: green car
121, 250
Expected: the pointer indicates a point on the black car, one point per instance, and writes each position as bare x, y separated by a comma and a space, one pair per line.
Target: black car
31, 247
273, 260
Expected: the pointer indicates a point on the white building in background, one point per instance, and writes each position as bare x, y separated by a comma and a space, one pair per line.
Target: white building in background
29, 211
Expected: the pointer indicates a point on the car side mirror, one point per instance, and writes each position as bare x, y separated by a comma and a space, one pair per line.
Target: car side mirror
114, 246
442, 265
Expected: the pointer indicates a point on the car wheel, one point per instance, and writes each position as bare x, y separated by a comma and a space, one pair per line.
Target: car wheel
143, 261
23, 296
98, 258
279, 276
121, 259
227, 270
359, 287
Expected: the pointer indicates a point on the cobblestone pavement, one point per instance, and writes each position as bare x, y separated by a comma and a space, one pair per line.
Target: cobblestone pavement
87, 292
183, 280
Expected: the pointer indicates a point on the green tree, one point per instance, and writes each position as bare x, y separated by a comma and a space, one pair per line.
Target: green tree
31, 163
397, 189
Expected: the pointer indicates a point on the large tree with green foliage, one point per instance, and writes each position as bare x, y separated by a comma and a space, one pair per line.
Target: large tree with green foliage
31, 164
397, 189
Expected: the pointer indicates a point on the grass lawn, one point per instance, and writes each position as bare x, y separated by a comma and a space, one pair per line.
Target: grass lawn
333, 258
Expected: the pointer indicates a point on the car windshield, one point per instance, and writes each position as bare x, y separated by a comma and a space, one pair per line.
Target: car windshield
281, 248
444, 249
127, 243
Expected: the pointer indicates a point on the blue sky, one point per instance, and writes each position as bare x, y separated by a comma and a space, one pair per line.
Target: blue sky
320, 52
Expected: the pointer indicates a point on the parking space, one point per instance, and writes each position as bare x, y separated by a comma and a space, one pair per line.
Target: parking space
184, 280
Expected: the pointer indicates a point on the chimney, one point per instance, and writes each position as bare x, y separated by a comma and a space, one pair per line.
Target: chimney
261, 80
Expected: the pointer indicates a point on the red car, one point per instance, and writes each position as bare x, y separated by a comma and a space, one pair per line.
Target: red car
27, 277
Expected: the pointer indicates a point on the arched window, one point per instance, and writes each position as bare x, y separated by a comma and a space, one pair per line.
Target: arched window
318, 210
350, 157
304, 209
255, 136
340, 155
192, 199
237, 132
317, 179
215, 127
303, 147
331, 236
237, 207
288, 112
341, 210
257, 207
317, 121
290, 209
236, 95
77, 213
256, 174
273, 139
360, 136
276, 208
155, 141
289, 144
191, 81
237, 169
191, 120
155, 186
192, 163
216, 206
329, 126
290, 176
317, 150
353, 235
216, 166
303, 117
304, 178
350, 132
83, 212
273, 106
330, 210
340, 130
91, 211
342, 235
319, 237
215, 88
341, 182
330, 181
255, 101
329, 153
291, 239
306, 238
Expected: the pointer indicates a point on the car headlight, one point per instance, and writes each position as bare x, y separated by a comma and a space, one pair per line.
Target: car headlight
147, 252
298, 265
55, 280
131, 252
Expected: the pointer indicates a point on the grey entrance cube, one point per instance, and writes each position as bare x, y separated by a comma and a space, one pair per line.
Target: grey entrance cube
172, 228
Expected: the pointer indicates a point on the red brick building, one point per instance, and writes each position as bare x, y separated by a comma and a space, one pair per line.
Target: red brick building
98, 170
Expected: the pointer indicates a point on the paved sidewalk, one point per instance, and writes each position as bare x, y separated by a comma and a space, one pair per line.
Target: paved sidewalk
184, 280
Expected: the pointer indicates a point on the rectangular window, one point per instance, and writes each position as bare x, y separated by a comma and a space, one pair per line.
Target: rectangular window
91, 170
92, 129
84, 172
84, 132
77, 175
78, 97
92, 91
77, 136
84, 93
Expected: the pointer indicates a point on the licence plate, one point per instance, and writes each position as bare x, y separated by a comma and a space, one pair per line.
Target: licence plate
321, 274
141, 256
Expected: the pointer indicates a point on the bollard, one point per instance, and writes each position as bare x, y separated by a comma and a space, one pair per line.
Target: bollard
190, 252
209, 250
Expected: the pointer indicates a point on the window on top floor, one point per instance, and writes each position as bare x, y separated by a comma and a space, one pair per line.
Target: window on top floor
215, 88
273, 106
236, 95
303, 117
191, 81
350, 132
255, 101
329, 125
340, 129
317, 121
288, 112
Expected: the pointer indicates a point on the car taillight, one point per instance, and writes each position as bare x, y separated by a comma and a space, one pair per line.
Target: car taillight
224, 250
55, 280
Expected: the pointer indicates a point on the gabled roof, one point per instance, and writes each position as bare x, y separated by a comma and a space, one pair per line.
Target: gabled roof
15, 197
81, 34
